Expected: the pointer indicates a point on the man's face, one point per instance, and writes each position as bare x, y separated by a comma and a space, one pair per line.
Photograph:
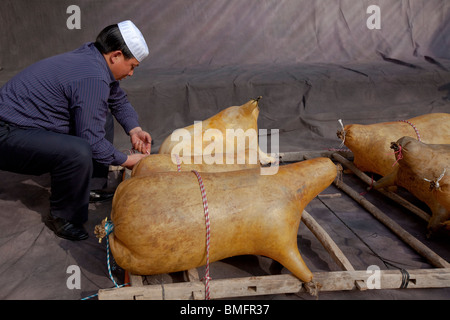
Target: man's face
121, 67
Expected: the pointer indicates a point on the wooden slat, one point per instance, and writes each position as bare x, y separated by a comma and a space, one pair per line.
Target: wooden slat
328, 243
423, 250
136, 281
280, 284
192, 275
301, 155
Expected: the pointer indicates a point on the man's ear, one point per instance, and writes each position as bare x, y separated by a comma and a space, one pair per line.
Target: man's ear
115, 56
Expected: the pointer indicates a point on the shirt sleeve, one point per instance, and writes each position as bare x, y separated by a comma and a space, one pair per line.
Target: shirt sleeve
122, 109
89, 107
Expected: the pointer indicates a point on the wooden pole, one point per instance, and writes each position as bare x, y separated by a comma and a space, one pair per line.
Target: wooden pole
423, 250
328, 243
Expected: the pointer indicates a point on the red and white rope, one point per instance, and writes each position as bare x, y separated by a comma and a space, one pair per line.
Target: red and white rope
208, 232
178, 162
399, 155
414, 127
207, 223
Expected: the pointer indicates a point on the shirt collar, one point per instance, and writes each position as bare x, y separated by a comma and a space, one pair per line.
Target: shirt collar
99, 56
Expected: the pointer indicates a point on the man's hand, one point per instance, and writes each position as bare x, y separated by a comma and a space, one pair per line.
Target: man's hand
133, 159
141, 140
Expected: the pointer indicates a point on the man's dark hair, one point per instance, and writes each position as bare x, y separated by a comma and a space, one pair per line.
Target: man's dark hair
110, 39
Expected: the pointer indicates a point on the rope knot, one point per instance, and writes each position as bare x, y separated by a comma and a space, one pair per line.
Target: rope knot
103, 230
435, 184
206, 278
397, 151
341, 133
313, 288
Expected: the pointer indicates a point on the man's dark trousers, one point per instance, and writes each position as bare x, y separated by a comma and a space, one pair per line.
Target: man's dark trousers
67, 158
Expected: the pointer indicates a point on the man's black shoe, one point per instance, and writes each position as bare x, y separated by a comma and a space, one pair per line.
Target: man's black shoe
100, 196
65, 229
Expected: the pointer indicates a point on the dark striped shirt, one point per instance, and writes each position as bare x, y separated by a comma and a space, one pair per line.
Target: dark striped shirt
70, 93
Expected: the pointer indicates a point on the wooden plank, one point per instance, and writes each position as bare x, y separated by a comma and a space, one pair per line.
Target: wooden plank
389, 279
115, 168
192, 275
328, 243
135, 280
281, 284
126, 174
418, 246
391, 195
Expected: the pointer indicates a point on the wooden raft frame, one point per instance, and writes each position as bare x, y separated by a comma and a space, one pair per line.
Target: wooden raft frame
348, 279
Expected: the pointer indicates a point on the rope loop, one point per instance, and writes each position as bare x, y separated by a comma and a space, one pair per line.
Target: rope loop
405, 278
207, 278
103, 231
414, 127
109, 227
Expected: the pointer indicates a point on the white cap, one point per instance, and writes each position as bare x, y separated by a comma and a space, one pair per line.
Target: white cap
133, 39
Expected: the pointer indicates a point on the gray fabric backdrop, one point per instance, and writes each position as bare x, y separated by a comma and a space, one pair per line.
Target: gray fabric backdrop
312, 61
